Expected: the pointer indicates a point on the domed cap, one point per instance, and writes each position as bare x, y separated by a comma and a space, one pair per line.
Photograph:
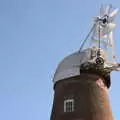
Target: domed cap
70, 65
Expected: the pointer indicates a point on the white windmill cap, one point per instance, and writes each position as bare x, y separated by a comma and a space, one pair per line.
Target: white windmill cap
70, 65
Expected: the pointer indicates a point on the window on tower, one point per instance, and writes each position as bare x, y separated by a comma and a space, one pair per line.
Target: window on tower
69, 105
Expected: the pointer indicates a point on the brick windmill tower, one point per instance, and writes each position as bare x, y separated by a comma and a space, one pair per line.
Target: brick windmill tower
82, 79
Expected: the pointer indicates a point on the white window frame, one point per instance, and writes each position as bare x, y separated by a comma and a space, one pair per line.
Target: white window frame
69, 105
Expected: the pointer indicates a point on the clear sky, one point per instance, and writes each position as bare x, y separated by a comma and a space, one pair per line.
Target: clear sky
34, 36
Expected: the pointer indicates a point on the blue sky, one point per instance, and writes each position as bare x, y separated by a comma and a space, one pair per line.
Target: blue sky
34, 36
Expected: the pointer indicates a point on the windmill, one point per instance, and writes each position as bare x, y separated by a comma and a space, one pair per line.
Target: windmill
82, 79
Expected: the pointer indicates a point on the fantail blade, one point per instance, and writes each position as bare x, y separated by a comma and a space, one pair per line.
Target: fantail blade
111, 26
102, 10
114, 12
107, 9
